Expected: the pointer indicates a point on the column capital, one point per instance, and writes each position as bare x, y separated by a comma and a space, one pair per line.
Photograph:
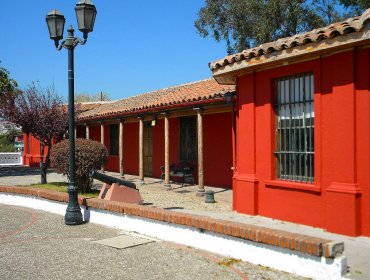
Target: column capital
122, 120
165, 114
199, 109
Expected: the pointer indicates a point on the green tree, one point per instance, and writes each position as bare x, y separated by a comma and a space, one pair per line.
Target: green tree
12, 133
356, 6
246, 23
5, 145
86, 97
7, 84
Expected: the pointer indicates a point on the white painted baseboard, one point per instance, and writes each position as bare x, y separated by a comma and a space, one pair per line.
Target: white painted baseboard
253, 252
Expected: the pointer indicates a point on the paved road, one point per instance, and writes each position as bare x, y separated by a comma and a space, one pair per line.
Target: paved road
37, 245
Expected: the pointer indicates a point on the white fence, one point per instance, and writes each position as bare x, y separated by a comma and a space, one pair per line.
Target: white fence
8, 159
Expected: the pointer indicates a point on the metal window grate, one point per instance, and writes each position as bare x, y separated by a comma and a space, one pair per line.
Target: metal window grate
188, 138
113, 139
295, 128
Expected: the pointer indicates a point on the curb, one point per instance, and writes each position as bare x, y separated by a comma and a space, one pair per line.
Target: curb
295, 253
297, 242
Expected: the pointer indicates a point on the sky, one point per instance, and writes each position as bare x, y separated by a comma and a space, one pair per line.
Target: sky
136, 46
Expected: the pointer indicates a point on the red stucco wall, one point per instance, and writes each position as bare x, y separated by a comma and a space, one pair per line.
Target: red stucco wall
95, 132
32, 151
217, 148
339, 198
131, 148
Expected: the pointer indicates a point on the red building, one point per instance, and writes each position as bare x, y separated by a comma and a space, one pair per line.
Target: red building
187, 124
297, 133
302, 145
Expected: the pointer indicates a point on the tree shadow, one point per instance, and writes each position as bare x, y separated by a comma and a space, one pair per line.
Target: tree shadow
7, 171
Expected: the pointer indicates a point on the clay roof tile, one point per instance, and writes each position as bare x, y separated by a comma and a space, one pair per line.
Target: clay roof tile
349, 25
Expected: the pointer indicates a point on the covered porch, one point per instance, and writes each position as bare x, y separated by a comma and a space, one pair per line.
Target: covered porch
167, 134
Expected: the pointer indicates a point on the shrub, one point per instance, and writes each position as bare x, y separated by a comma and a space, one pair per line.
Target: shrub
90, 155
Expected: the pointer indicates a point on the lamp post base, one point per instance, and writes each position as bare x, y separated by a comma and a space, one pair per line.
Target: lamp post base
73, 216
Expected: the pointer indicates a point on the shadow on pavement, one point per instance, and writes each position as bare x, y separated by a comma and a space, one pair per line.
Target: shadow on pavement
6, 171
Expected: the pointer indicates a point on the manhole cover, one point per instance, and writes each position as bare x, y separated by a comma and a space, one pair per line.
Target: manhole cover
123, 241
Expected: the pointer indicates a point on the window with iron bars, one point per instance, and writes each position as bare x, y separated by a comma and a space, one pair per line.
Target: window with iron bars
295, 128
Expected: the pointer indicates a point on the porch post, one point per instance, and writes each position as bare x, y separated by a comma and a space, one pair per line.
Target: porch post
141, 149
102, 137
200, 191
167, 184
87, 131
121, 170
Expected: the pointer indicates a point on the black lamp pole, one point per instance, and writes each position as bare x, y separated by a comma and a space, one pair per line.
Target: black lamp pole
73, 214
86, 13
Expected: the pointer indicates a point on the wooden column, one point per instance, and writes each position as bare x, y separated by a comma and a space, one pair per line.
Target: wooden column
200, 191
141, 149
121, 169
102, 137
167, 152
75, 131
87, 131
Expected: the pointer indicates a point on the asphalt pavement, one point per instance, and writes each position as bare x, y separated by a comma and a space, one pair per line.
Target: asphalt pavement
38, 245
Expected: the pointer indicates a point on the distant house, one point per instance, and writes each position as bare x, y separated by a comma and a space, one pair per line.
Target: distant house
18, 143
302, 144
5, 126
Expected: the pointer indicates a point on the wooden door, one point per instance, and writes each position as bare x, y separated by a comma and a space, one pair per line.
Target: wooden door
148, 150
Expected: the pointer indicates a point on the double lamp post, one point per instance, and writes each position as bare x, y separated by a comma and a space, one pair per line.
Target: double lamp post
86, 13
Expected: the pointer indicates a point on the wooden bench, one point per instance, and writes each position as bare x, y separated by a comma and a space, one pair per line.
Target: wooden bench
182, 170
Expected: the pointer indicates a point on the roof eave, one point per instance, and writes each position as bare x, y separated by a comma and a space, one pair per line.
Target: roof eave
132, 114
228, 74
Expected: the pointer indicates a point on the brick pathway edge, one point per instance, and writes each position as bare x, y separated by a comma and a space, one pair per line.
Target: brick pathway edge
305, 247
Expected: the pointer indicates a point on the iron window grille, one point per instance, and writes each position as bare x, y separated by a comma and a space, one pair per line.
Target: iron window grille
113, 139
295, 128
188, 138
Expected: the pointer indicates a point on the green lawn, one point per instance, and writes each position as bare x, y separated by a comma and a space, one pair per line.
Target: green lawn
62, 187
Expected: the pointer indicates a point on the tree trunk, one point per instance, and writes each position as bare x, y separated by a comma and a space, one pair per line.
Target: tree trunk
47, 160
42, 164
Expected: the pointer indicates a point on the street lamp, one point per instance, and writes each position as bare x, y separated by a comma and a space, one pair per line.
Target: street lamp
86, 13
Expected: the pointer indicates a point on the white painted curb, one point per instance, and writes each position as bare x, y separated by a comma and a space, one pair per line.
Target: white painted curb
253, 252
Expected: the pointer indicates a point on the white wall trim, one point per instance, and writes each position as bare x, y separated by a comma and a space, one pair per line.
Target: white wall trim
253, 252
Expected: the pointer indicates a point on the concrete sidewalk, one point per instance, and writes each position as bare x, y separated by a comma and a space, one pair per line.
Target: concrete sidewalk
37, 245
183, 199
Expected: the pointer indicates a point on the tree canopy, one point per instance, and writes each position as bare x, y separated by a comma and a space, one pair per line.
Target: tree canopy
86, 97
7, 84
243, 24
40, 112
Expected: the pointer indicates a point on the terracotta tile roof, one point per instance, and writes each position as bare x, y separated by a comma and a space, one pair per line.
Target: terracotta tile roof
336, 29
195, 92
87, 106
